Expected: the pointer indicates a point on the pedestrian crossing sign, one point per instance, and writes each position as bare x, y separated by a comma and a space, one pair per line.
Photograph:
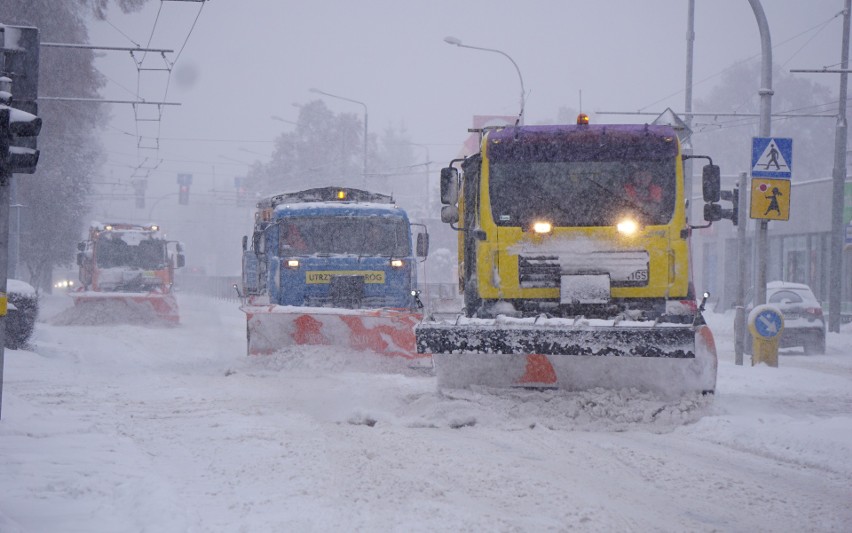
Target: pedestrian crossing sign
771, 157
770, 199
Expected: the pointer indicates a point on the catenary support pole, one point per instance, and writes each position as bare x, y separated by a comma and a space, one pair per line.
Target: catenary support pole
838, 236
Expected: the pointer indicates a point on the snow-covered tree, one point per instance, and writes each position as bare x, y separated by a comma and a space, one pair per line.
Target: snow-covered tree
56, 198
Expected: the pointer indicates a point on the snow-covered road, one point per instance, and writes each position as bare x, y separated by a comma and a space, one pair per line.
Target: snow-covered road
126, 429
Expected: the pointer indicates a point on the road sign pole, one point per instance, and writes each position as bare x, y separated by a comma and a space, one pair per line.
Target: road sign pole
765, 93
5, 179
762, 252
739, 318
771, 170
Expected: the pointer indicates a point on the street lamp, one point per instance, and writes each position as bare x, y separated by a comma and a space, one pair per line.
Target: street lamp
457, 42
314, 90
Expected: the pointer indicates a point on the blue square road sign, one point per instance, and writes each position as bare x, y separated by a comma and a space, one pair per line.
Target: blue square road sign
771, 157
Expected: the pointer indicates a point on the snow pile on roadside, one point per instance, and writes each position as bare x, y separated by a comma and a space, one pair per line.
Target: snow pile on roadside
590, 410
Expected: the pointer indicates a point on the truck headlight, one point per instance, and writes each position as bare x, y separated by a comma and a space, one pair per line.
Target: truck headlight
293, 263
627, 226
542, 227
397, 263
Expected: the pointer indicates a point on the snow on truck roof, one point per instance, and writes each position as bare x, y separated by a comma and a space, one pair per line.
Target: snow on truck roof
123, 226
583, 142
335, 201
514, 132
338, 209
326, 194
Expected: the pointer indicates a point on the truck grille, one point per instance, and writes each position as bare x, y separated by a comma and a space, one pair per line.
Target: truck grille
626, 269
539, 271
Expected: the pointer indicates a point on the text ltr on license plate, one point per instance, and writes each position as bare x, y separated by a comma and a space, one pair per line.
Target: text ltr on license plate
584, 289
324, 276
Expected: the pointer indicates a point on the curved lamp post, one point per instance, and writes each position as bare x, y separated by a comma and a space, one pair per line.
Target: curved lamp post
314, 90
457, 42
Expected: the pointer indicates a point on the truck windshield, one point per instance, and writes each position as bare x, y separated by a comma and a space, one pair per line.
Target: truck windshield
370, 236
585, 193
114, 252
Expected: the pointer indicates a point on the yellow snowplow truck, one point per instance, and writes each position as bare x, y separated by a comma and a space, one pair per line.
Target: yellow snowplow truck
574, 262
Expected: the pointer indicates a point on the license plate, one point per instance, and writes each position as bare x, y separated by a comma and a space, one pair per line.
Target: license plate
584, 289
324, 276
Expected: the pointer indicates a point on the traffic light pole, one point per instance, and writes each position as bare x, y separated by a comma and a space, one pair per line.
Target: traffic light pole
5, 181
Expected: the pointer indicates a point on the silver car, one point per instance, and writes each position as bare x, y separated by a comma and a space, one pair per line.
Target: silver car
804, 324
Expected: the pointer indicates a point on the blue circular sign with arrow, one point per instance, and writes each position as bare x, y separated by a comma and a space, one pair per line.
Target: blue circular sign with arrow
767, 321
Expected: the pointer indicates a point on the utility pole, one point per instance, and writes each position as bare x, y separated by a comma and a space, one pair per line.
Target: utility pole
837, 231
838, 235
687, 105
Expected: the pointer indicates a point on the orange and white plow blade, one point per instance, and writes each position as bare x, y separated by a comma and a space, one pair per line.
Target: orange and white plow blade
386, 332
664, 375
131, 307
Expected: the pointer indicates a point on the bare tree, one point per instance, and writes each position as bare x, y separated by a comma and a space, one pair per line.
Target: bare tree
327, 149
729, 138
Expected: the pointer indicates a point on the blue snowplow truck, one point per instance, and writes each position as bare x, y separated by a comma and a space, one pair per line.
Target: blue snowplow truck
333, 266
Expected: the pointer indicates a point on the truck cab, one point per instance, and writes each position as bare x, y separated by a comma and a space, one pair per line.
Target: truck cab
332, 247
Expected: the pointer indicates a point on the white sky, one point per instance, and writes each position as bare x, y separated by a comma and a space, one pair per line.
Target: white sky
245, 62
124, 428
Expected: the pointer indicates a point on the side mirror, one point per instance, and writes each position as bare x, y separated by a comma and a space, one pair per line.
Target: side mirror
422, 244
81, 246
449, 214
711, 183
449, 186
80, 257
245, 242
181, 261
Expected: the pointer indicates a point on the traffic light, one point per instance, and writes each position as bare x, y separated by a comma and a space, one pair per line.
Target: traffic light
240, 186
734, 212
714, 212
183, 195
19, 123
20, 46
184, 181
15, 127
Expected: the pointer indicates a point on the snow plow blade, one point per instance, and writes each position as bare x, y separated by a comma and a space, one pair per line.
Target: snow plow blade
671, 359
383, 331
91, 307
